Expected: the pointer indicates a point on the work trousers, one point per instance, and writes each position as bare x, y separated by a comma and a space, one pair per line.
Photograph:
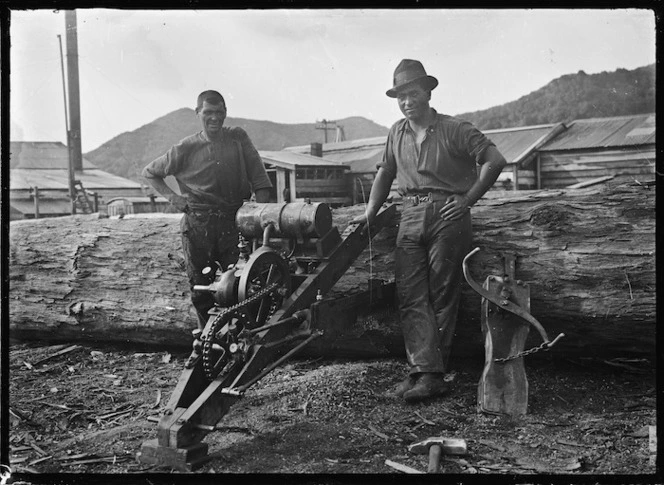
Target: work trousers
428, 267
207, 239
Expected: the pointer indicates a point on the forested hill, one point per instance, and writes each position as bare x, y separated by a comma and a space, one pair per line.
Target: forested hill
575, 96
127, 154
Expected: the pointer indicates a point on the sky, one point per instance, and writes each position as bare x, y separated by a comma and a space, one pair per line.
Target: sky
301, 66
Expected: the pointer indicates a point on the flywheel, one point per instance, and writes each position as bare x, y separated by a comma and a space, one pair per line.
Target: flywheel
264, 268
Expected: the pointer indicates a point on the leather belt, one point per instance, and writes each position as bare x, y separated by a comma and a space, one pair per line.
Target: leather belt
221, 213
418, 199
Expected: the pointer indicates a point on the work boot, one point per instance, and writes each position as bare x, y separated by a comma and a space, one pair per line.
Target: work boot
429, 384
399, 389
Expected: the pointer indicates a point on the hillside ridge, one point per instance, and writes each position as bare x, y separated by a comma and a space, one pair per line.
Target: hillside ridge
571, 96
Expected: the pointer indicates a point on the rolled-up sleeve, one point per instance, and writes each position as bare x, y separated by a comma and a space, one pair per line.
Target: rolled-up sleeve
389, 161
167, 164
472, 141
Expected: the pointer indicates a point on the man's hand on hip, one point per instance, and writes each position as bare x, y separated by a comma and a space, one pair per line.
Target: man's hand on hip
178, 201
456, 206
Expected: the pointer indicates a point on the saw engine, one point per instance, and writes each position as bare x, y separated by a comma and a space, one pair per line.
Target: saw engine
290, 256
275, 239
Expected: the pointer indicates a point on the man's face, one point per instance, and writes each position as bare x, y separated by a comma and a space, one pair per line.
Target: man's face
414, 102
212, 118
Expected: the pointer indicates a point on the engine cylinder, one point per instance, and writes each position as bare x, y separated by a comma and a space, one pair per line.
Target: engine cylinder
292, 220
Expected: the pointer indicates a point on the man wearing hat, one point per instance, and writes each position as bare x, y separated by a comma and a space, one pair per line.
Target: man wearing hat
434, 158
216, 170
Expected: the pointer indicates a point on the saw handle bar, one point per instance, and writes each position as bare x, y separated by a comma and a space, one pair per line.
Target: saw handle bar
506, 304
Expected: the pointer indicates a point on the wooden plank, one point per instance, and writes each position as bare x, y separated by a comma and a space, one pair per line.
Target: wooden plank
402, 468
605, 169
292, 184
595, 160
590, 174
71, 348
281, 184
590, 182
648, 151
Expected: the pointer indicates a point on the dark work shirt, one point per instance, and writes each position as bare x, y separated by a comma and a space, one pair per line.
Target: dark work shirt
212, 173
445, 162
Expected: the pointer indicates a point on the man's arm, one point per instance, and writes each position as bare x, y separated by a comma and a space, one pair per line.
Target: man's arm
379, 192
254, 166
157, 182
262, 195
457, 205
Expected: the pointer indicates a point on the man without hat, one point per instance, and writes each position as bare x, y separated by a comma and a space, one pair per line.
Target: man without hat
216, 171
434, 158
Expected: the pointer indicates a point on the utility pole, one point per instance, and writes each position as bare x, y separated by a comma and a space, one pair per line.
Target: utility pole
341, 135
74, 133
72, 194
323, 125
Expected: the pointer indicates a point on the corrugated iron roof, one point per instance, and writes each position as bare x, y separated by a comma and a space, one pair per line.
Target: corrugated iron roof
24, 179
516, 143
342, 145
43, 155
292, 160
363, 160
619, 131
362, 155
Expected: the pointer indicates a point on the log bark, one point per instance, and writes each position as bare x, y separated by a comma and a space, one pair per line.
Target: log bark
588, 256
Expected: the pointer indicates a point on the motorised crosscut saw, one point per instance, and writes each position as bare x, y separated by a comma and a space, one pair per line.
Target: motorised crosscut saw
290, 256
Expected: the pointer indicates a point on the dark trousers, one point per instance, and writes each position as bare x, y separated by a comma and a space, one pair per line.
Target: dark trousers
429, 255
207, 239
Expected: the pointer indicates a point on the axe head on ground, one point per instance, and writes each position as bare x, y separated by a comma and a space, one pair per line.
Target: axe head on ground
449, 446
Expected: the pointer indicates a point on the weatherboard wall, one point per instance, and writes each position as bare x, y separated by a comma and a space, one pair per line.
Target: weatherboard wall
559, 169
622, 147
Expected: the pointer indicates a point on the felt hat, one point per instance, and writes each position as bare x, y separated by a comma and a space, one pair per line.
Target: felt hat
408, 72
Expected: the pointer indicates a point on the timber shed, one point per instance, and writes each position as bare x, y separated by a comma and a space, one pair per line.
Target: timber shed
596, 149
298, 176
39, 182
360, 156
518, 145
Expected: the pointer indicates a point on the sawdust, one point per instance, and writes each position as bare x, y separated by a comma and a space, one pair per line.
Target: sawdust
87, 412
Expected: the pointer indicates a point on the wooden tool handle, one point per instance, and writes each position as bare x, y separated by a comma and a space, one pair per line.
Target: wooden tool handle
434, 458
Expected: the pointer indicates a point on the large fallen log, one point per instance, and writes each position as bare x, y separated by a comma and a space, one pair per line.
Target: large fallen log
588, 256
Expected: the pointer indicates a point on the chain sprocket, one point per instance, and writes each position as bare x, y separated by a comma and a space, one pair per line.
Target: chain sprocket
223, 346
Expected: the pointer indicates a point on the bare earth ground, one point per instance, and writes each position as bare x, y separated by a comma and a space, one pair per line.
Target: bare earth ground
85, 412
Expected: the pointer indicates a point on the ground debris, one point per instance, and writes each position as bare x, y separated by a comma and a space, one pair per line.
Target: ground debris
327, 416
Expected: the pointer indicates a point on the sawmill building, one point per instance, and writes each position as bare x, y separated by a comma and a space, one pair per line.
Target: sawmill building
39, 183
561, 155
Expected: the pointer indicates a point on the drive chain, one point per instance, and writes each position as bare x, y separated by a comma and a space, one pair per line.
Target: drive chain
207, 339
